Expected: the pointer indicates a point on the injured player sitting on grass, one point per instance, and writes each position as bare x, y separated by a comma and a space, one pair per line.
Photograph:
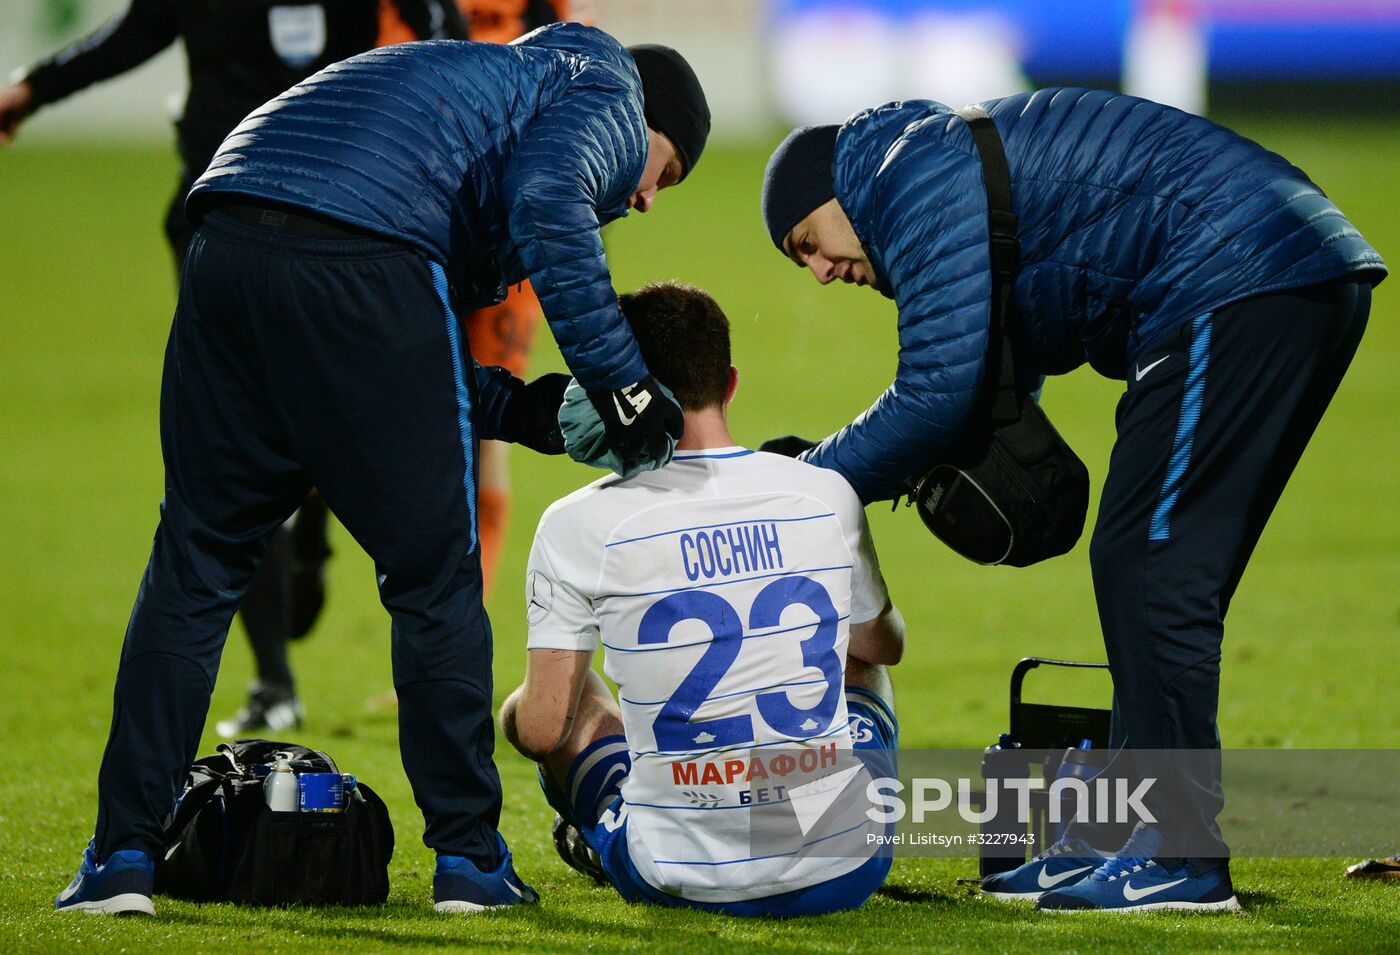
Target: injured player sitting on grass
743, 617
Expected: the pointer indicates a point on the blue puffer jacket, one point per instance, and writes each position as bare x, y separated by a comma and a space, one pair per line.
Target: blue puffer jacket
498, 162
1133, 217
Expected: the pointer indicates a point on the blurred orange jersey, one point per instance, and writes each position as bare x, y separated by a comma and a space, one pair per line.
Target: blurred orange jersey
500, 21
491, 21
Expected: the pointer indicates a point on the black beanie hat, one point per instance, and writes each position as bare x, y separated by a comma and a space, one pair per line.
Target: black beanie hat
673, 101
798, 179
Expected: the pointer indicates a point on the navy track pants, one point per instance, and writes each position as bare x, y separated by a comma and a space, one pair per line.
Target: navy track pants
296, 362
1214, 420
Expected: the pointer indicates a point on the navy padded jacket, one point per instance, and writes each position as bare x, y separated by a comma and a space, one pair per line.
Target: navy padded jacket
498, 162
1134, 217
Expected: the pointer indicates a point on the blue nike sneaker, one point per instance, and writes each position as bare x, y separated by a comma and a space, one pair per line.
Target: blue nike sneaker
119, 886
1064, 863
459, 886
1134, 881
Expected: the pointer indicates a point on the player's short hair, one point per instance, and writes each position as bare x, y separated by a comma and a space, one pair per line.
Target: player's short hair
684, 337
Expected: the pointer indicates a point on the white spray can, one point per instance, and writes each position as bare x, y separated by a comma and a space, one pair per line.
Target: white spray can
280, 787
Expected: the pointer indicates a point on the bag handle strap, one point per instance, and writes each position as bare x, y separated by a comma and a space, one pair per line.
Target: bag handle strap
1005, 251
191, 802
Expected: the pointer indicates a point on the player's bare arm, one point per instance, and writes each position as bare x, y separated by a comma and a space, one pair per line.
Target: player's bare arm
560, 709
538, 716
878, 641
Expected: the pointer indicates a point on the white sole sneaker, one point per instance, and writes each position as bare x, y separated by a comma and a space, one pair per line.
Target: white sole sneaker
1232, 904
132, 903
1012, 896
461, 907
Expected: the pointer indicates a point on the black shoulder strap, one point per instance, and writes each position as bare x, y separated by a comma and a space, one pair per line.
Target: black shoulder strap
1006, 259
996, 177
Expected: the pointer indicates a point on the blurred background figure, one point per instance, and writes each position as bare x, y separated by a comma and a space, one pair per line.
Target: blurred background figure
833, 57
1164, 57
239, 55
500, 21
962, 57
828, 58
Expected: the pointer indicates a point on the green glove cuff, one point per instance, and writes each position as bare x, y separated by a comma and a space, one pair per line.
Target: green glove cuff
585, 438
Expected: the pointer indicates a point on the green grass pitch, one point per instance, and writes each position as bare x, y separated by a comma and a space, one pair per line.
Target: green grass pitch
85, 301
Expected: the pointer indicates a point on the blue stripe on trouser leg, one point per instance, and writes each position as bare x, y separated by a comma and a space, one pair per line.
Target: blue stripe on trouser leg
464, 401
1191, 397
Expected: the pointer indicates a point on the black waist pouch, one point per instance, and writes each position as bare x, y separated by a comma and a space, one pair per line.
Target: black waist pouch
1017, 496
1010, 491
228, 846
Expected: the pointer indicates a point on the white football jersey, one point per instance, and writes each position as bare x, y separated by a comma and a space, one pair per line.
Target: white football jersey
721, 588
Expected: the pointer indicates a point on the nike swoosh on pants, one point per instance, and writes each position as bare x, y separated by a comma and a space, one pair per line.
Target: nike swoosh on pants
1142, 372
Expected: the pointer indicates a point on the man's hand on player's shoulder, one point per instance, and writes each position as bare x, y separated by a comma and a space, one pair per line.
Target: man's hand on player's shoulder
626, 430
641, 422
